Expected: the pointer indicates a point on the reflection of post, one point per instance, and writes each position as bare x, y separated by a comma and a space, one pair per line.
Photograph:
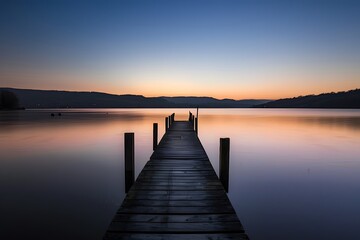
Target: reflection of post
129, 161
166, 123
155, 135
224, 162
196, 126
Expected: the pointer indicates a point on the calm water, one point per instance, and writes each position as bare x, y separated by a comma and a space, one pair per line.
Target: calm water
295, 174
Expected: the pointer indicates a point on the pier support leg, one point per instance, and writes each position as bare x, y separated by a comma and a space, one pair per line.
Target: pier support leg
155, 135
224, 162
129, 160
166, 123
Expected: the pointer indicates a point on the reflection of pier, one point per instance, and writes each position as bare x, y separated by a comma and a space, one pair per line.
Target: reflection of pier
177, 195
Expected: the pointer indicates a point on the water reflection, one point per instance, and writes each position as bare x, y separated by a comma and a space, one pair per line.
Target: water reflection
295, 171
65, 171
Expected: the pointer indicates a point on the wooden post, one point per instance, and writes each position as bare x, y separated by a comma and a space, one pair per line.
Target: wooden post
190, 116
224, 162
193, 122
155, 135
166, 124
196, 126
129, 161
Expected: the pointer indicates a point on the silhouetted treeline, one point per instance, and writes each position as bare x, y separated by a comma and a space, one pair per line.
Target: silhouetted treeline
66, 99
8, 100
349, 99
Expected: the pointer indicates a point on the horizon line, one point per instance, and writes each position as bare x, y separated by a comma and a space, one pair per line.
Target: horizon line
131, 94
176, 96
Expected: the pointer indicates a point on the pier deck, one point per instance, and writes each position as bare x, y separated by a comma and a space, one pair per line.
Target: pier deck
177, 195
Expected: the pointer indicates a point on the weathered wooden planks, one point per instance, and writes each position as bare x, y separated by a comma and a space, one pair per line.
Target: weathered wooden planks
178, 236
177, 195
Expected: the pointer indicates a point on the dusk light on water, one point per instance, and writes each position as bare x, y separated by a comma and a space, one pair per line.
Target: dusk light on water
181, 119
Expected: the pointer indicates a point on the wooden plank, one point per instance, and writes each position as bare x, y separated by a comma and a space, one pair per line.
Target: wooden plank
169, 227
177, 210
172, 177
177, 162
198, 167
182, 193
180, 173
159, 236
176, 218
189, 179
179, 182
177, 203
176, 187
173, 197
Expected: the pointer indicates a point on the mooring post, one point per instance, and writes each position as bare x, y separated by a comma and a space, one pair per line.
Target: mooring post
155, 135
224, 162
172, 117
196, 126
166, 124
129, 161
190, 116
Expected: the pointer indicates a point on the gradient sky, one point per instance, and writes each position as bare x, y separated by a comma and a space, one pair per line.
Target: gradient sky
225, 49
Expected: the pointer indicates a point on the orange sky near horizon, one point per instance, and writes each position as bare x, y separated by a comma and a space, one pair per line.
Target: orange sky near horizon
273, 89
271, 94
221, 49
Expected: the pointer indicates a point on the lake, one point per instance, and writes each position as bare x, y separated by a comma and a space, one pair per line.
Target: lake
294, 173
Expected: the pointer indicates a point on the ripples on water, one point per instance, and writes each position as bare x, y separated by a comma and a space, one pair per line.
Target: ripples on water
294, 173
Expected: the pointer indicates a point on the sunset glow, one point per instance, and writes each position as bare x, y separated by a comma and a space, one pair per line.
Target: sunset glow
223, 49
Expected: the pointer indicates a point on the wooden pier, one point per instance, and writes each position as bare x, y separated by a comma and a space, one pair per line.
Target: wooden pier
177, 195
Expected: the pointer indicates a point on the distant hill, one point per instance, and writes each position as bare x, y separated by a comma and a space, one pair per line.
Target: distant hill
67, 99
349, 99
210, 102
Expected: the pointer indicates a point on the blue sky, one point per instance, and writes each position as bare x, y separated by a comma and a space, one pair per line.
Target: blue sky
235, 49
